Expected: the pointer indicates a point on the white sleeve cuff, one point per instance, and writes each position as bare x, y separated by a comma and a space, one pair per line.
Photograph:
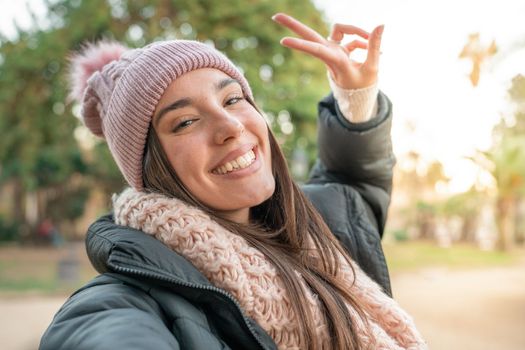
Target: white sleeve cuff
356, 105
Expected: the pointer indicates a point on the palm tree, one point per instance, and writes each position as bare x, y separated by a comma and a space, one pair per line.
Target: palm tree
477, 53
506, 163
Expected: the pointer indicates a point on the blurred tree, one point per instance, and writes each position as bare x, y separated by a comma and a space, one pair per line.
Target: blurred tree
38, 150
466, 206
477, 54
419, 183
506, 162
516, 126
37, 147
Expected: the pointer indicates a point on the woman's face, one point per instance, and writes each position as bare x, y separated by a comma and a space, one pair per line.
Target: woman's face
216, 142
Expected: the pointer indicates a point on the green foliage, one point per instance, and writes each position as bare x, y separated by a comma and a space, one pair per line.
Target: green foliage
463, 204
508, 164
33, 130
400, 235
8, 231
38, 147
68, 203
104, 171
505, 160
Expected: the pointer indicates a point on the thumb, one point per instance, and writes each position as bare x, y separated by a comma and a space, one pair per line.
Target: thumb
374, 49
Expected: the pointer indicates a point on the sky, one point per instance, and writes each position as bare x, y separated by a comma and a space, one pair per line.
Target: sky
437, 112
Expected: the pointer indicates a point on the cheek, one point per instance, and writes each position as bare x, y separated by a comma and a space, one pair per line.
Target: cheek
185, 159
265, 136
257, 125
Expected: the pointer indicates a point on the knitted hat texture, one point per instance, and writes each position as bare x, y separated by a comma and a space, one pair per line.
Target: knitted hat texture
119, 88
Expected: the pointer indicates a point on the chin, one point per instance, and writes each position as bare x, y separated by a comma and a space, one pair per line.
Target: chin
254, 198
265, 193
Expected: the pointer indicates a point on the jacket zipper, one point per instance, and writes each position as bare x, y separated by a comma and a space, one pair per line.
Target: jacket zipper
196, 286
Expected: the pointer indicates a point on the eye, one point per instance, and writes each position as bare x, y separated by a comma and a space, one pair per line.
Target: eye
184, 124
233, 100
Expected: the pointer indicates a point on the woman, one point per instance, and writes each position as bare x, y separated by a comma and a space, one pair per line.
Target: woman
213, 246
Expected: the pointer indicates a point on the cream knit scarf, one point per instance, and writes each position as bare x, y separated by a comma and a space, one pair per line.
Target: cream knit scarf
230, 263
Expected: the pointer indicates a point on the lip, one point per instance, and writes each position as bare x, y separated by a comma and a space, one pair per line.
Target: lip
235, 154
249, 170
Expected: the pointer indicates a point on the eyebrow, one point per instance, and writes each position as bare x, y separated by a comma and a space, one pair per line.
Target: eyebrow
186, 101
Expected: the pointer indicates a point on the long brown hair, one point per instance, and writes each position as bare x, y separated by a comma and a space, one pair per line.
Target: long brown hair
281, 230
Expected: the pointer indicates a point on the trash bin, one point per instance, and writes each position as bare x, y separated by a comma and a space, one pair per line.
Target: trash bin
69, 267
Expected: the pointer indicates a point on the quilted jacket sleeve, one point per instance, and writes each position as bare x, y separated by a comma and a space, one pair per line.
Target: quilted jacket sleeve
108, 316
358, 155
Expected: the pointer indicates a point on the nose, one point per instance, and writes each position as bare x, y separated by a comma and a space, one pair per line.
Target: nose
228, 127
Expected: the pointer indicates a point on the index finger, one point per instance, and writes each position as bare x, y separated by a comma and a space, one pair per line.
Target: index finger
339, 30
297, 27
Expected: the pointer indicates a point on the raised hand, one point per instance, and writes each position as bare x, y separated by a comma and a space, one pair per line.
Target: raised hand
346, 73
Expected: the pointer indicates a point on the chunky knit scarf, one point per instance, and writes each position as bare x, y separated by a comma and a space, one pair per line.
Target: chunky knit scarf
230, 263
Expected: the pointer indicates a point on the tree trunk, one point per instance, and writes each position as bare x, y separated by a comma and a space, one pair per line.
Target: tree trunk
19, 212
519, 237
468, 228
506, 207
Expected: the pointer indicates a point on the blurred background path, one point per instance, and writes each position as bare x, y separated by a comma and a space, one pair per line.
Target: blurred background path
482, 309
24, 319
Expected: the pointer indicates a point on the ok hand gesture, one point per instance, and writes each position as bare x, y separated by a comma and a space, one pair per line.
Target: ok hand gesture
345, 72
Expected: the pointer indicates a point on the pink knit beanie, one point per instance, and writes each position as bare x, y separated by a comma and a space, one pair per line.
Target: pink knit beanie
119, 89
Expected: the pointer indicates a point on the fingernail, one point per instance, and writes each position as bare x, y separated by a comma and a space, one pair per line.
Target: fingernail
380, 29
274, 17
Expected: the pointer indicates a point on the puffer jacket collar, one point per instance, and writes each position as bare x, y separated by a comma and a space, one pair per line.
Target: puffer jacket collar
129, 252
109, 245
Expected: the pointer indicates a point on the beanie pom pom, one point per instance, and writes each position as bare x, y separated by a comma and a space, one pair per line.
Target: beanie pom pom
92, 58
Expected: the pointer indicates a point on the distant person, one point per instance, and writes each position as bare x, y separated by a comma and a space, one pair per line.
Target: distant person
214, 246
49, 234
44, 231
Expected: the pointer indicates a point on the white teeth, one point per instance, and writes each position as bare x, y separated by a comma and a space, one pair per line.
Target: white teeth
240, 162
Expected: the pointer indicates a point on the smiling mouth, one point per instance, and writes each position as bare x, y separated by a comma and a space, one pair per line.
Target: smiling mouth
238, 163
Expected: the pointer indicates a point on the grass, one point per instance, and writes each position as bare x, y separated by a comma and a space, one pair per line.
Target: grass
30, 284
36, 270
413, 255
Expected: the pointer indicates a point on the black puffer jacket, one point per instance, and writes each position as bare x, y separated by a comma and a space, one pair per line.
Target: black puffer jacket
149, 297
